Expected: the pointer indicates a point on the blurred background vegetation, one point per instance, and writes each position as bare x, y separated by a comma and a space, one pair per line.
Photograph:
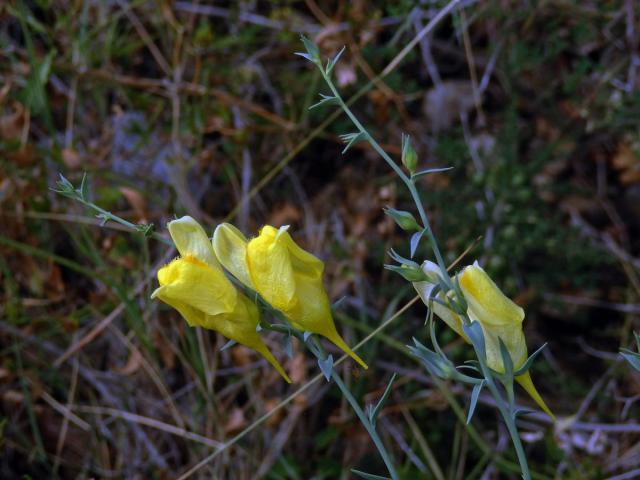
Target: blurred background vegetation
201, 108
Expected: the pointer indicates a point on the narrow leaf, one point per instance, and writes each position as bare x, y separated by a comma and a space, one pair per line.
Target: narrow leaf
475, 334
527, 364
374, 412
432, 333
287, 345
84, 187
306, 335
415, 241
228, 345
459, 295
506, 360
312, 49
326, 366
403, 261
430, 359
475, 393
422, 173
351, 139
334, 60
326, 101
64, 184
368, 476
519, 412
304, 55
632, 358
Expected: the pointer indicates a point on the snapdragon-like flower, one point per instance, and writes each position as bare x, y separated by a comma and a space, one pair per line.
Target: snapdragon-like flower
285, 275
499, 317
196, 286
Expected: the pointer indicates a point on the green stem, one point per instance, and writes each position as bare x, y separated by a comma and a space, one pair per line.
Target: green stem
110, 216
410, 183
507, 417
319, 352
366, 423
394, 166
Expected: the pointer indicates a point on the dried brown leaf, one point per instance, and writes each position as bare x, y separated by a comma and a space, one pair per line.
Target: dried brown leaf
71, 158
236, 421
132, 365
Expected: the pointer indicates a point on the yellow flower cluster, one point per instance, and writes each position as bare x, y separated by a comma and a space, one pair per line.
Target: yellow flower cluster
286, 276
499, 317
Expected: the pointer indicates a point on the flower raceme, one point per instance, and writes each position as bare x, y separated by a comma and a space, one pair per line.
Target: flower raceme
196, 286
499, 317
285, 275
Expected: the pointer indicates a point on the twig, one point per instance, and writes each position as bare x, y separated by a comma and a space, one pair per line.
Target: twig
106, 321
149, 422
592, 302
62, 436
291, 397
244, 16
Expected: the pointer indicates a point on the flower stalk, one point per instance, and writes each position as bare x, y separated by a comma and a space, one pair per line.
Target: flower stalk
196, 286
65, 187
315, 347
448, 295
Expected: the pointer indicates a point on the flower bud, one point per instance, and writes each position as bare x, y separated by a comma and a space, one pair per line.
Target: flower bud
409, 155
405, 220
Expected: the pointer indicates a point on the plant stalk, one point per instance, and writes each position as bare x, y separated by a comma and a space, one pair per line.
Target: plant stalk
386, 458
314, 345
507, 417
394, 166
410, 183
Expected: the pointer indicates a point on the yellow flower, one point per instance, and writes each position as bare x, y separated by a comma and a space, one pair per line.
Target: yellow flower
195, 285
286, 276
498, 316
425, 288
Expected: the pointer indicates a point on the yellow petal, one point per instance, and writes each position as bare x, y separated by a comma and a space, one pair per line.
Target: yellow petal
271, 269
191, 239
513, 339
264, 351
486, 301
526, 383
290, 279
499, 317
240, 325
303, 262
192, 282
336, 339
312, 313
230, 246
425, 288
193, 316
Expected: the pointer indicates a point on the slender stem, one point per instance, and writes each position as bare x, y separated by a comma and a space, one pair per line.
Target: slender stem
320, 353
110, 216
315, 347
407, 180
507, 417
366, 423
